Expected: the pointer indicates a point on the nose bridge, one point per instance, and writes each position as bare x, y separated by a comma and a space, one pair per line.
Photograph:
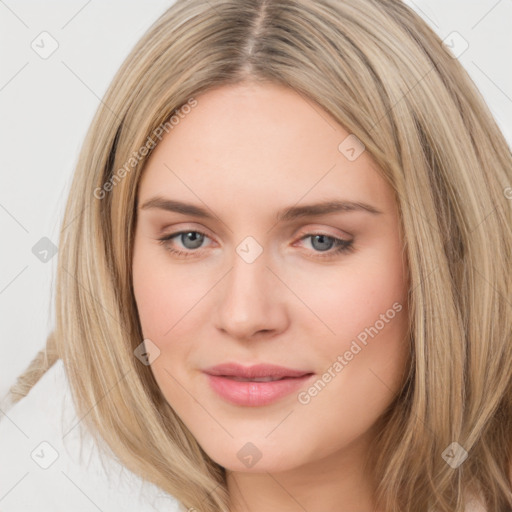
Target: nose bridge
248, 279
249, 299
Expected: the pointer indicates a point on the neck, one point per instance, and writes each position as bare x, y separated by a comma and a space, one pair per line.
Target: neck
339, 482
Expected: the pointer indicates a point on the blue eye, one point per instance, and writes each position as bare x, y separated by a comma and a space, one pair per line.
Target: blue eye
193, 240
324, 243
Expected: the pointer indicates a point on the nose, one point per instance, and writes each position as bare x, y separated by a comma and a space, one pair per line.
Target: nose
251, 301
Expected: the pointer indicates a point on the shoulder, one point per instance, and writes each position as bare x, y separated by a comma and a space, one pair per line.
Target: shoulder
50, 463
474, 505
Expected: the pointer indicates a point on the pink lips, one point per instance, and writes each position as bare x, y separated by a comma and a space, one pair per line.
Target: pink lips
225, 381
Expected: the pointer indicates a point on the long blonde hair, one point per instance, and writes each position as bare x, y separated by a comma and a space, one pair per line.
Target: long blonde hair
385, 76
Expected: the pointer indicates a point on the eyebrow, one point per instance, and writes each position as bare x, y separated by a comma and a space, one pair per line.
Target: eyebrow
285, 215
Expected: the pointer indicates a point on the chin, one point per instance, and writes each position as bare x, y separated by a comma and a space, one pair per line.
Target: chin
258, 456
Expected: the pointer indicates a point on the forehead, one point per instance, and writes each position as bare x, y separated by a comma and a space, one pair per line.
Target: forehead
259, 145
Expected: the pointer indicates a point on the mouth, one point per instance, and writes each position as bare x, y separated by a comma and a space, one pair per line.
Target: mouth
256, 385
257, 371
256, 379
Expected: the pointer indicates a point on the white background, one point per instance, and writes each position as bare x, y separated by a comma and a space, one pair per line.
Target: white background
46, 106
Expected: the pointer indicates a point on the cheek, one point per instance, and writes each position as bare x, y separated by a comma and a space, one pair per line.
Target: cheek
164, 293
362, 335
365, 361
347, 301
371, 338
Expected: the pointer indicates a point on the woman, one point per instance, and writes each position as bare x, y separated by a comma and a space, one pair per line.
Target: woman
214, 342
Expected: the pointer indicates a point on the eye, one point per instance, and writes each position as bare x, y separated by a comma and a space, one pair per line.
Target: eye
191, 240
330, 245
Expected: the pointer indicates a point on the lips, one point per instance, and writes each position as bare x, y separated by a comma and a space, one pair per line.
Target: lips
256, 385
257, 371
254, 379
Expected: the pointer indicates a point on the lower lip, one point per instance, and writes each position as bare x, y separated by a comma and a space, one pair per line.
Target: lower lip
254, 394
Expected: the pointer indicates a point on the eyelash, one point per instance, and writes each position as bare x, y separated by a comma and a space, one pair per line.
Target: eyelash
340, 246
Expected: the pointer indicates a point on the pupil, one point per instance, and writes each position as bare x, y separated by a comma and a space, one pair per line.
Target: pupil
195, 238
322, 239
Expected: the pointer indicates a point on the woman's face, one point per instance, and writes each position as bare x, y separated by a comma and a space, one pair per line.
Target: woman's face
255, 272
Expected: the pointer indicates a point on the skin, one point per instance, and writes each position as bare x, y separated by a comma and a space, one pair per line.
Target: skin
245, 152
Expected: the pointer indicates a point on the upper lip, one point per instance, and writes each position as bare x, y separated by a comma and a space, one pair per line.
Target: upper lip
254, 371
